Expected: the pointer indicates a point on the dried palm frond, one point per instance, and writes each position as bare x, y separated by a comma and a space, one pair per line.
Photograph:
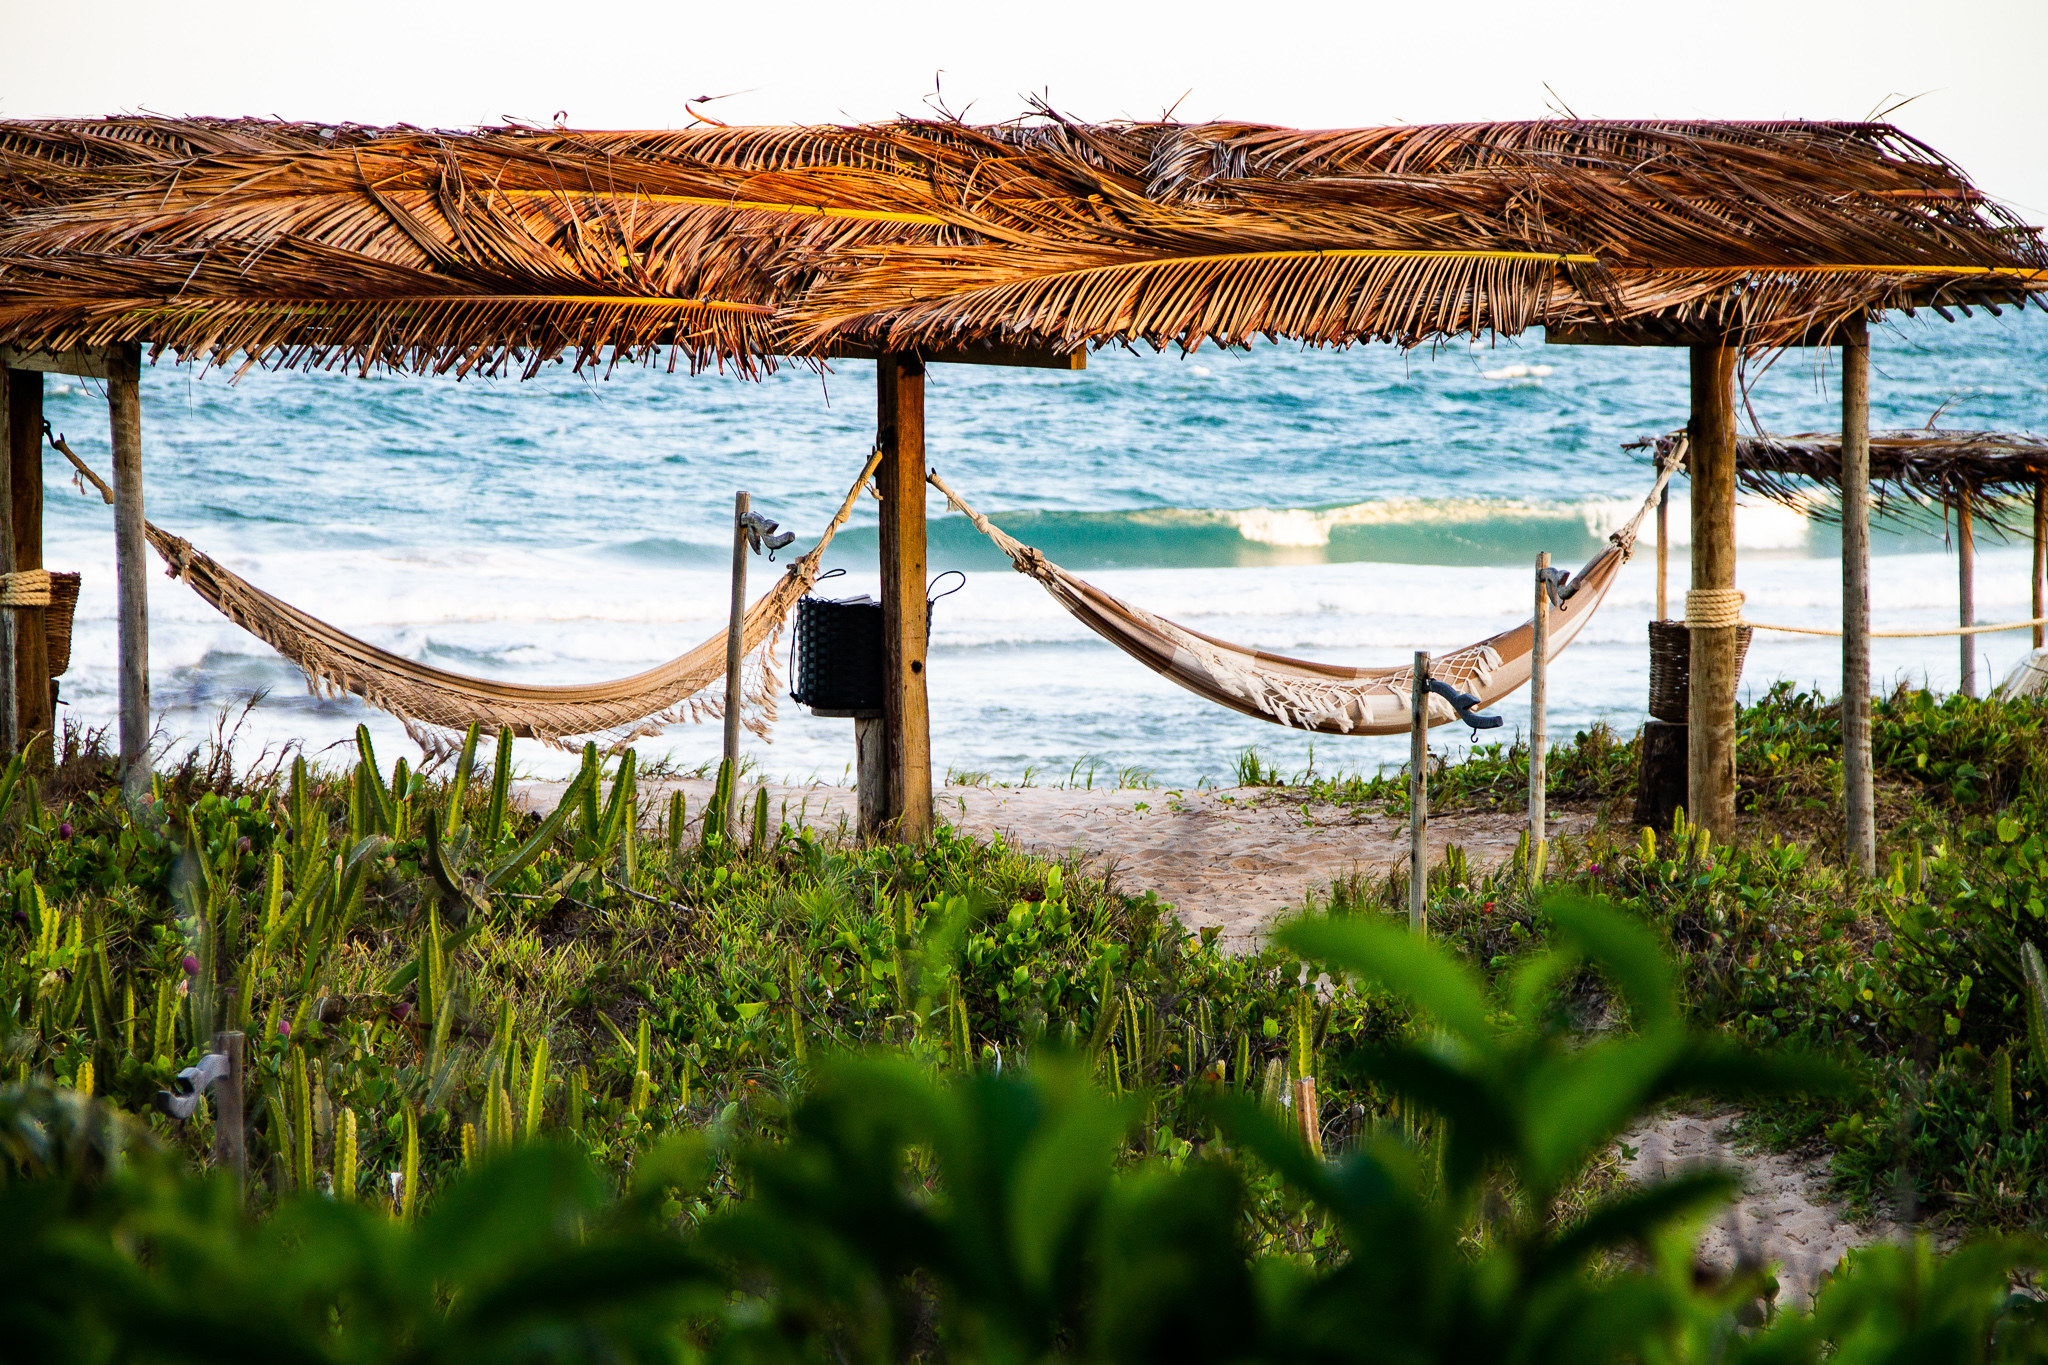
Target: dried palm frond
929, 232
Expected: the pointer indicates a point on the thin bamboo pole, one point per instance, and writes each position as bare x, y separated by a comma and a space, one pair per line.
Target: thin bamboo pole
1418, 796
131, 570
1966, 587
1858, 793
735, 646
1663, 552
1539, 698
2040, 560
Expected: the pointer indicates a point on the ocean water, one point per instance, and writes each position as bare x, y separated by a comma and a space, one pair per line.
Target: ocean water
1346, 505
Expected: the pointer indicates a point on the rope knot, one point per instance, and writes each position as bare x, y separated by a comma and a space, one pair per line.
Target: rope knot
25, 588
1713, 608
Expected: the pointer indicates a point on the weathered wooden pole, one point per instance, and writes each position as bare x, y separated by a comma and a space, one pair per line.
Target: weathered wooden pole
1539, 699
1713, 608
906, 712
230, 1138
33, 713
1418, 796
2040, 561
1966, 587
1858, 795
131, 567
1663, 552
735, 652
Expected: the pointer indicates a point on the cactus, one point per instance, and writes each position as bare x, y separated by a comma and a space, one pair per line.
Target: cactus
501, 787
2037, 1007
959, 1035
409, 1169
536, 1087
345, 1156
678, 812
757, 844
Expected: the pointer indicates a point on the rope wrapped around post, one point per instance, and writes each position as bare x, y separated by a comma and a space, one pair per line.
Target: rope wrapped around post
1713, 608
25, 588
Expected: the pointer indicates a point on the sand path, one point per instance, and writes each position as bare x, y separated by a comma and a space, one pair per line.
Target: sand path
1233, 858
1784, 1217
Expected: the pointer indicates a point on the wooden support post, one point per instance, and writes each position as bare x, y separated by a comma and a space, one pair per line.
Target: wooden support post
906, 713
1663, 552
230, 1139
1539, 725
1710, 766
871, 775
735, 652
1858, 794
1966, 587
131, 573
2040, 561
32, 712
1418, 796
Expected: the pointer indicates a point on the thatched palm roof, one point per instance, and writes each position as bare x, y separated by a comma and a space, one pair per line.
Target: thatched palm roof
306, 244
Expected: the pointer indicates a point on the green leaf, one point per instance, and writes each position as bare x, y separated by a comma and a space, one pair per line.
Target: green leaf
1400, 962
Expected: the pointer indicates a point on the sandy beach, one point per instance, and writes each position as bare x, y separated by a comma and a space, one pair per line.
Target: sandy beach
1233, 858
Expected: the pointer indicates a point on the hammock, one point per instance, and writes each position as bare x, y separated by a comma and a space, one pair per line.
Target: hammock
433, 703
1304, 694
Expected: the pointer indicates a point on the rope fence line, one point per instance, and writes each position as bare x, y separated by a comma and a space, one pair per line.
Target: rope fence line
1907, 634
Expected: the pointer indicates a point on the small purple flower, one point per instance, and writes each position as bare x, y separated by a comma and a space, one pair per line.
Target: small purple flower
64, 830
401, 1011
284, 1028
242, 844
191, 965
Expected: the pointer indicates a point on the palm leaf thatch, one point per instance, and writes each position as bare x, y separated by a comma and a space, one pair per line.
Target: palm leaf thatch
304, 244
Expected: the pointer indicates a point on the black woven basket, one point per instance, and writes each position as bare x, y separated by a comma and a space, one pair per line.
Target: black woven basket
1671, 668
838, 655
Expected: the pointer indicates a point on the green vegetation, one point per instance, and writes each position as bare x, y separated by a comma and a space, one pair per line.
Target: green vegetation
586, 1021
996, 1216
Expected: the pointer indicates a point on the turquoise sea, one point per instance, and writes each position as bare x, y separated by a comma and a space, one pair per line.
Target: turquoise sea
1347, 505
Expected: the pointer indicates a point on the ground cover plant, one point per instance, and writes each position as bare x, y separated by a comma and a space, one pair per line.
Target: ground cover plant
1926, 980
424, 971
637, 1020
1000, 1216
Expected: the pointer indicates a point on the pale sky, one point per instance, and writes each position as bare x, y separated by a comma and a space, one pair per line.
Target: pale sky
1970, 63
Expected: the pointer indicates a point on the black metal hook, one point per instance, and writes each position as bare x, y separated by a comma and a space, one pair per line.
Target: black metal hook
930, 598
761, 534
1463, 703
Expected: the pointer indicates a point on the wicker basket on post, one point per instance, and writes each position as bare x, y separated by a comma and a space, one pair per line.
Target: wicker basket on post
1671, 667
57, 620
1660, 783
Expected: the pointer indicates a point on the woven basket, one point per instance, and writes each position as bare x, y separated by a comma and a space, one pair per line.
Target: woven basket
57, 620
1671, 668
838, 655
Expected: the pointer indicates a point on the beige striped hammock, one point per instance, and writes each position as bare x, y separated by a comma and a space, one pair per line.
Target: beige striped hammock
434, 704
1301, 693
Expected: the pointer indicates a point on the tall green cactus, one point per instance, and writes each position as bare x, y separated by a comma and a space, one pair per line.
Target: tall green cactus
2037, 1007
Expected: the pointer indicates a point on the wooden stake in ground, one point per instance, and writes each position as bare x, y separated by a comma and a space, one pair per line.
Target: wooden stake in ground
1858, 795
906, 709
1418, 796
1966, 587
1713, 608
230, 1143
735, 649
131, 571
1539, 697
